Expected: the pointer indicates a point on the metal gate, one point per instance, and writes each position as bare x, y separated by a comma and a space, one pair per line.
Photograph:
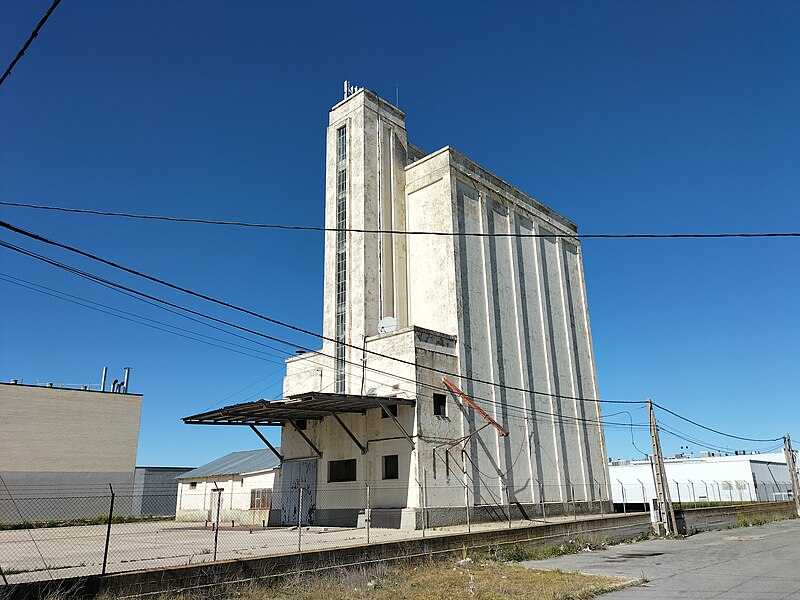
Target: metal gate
297, 475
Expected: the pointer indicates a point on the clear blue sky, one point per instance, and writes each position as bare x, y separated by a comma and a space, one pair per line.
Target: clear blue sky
623, 116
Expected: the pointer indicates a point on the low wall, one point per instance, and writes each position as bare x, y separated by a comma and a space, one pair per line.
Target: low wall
174, 579
692, 520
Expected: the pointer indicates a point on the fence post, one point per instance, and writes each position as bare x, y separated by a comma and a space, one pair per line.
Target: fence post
508, 501
299, 518
544, 506
466, 499
600, 498
706, 486
572, 493
678, 487
694, 496
108, 529
624, 506
367, 514
216, 519
422, 490
750, 492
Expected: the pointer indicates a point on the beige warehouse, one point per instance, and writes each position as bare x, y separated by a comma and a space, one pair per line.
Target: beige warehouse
65, 442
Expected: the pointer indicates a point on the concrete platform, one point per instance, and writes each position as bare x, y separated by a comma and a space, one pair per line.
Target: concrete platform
759, 563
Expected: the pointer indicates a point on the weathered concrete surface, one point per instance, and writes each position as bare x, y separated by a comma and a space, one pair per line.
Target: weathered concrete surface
752, 562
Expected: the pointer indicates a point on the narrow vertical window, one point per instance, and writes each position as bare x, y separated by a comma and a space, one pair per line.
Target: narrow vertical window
341, 258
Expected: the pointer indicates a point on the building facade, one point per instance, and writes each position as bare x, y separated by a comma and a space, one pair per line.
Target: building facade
709, 478
238, 487
59, 444
501, 315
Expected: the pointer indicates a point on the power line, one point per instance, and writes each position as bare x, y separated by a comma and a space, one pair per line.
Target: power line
246, 311
722, 433
131, 317
30, 40
560, 417
536, 413
402, 232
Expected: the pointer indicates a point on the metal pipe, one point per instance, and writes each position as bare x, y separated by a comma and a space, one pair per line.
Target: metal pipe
103, 379
125, 382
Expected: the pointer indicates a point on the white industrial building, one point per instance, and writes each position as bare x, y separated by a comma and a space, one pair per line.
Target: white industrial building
240, 485
503, 318
707, 478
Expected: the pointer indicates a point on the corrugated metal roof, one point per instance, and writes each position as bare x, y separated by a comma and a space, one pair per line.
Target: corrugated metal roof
237, 463
311, 405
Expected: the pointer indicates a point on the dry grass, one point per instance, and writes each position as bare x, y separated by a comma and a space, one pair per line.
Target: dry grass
481, 581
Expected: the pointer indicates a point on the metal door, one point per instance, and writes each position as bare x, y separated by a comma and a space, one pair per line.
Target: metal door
297, 475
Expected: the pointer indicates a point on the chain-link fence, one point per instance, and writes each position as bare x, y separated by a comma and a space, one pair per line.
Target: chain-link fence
48, 536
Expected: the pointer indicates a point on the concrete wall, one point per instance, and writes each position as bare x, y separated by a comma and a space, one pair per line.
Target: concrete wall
62, 430
68, 444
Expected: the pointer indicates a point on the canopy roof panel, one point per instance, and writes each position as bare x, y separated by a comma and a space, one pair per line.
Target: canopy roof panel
309, 406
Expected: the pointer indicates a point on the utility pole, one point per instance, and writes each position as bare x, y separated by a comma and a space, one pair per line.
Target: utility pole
790, 462
665, 512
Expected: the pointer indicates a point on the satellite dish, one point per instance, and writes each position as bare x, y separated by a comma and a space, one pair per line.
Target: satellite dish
387, 325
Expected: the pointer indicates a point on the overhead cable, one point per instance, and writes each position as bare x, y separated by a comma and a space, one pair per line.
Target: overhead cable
537, 413
403, 232
280, 323
718, 432
30, 40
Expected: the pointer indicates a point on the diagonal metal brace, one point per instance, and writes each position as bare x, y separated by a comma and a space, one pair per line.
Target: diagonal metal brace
350, 433
316, 450
388, 413
266, 441
500, 429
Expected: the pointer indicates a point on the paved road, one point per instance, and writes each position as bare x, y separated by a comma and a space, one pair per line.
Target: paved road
759, 563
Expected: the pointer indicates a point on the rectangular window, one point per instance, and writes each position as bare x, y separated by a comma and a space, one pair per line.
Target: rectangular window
342, 470
193, 485
260, 499
392, 409
440, 405
391, 469
302, 424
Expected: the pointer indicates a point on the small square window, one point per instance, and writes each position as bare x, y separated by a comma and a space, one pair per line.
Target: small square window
392, 409
193, 485
342, 470
440, 405
301, 424
391, 468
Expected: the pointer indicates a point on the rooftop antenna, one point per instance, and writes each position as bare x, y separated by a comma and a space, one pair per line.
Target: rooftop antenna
397, 95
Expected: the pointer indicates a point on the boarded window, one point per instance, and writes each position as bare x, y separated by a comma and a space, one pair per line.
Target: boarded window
260, 499
391, 468
342, 470
440, 405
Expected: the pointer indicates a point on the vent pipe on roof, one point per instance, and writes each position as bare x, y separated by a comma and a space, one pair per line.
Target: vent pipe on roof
103, 379
127, 378
13, 382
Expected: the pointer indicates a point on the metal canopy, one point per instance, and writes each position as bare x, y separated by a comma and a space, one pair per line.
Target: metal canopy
313, 406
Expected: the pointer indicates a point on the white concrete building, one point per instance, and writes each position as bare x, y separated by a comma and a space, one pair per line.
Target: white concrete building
505, 319
240, 484
738, 478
